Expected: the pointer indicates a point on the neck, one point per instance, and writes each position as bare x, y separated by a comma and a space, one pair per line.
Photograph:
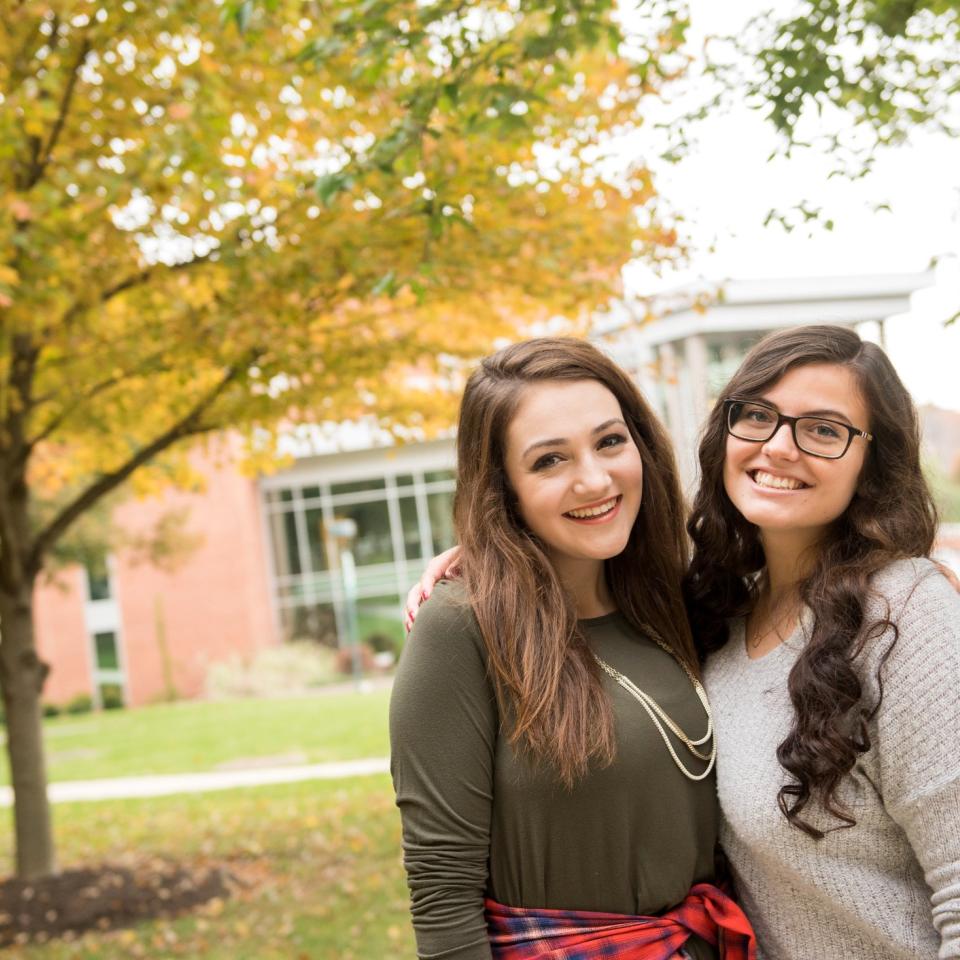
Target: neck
790, 557
585, 581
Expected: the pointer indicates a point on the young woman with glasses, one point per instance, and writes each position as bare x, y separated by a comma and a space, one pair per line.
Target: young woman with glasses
834, 667
832, 650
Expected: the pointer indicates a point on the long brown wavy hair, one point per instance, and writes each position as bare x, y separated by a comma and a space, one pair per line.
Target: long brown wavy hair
891, 516
546, 679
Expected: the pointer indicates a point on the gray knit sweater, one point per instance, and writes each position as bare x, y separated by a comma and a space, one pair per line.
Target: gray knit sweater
888, 888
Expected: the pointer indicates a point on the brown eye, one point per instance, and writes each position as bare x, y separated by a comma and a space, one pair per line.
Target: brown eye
546, 461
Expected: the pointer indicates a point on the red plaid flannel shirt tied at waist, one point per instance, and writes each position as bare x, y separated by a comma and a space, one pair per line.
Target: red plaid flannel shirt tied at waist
519, 934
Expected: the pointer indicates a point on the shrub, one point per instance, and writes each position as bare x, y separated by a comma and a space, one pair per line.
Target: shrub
345, 659
111, 696
81, 703
380, 643
51, 710
289, 669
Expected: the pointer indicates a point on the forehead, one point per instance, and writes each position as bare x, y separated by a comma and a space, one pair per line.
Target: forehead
819, 386
561, 408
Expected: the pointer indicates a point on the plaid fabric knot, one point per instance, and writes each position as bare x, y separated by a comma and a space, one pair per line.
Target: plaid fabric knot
519, 934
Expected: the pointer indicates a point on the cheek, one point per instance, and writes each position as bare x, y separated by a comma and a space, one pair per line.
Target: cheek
845, 487
533, 505
634, 474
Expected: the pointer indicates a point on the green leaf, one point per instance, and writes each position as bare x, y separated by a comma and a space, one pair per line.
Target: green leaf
329, 185
242, 16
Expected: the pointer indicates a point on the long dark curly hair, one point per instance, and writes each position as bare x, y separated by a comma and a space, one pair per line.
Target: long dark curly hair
891, 516
545, 677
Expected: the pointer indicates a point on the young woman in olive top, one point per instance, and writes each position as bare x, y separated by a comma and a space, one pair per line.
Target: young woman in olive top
531, 773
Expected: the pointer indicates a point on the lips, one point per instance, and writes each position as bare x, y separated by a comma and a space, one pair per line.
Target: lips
595, 511
763, 479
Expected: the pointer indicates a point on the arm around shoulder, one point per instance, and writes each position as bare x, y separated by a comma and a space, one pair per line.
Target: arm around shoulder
443, 730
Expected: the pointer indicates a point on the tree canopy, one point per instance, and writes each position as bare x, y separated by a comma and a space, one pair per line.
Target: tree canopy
872, 70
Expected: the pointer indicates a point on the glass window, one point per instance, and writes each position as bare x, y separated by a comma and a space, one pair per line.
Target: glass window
413, 546
435, 476
373, 543
98, 579
315, 540
358, 486
283, 533
405, 480
315, 622
310, 493
440, 506
105, 645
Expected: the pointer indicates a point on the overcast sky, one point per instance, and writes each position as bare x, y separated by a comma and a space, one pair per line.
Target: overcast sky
727, 185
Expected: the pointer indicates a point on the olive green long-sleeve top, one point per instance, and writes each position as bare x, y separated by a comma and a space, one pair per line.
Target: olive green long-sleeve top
479, 819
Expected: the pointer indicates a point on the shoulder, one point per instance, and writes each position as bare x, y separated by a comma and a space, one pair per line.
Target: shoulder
911, 585
448, 609
445, 626
914, 597
442, 672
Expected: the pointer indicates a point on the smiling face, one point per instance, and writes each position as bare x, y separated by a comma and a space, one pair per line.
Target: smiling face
778, 487
575, 470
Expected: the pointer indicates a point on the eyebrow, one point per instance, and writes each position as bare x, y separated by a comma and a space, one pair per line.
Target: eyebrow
826, 414
559, 441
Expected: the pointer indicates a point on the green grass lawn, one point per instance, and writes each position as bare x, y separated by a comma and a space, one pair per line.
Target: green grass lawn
322, 861
198, 736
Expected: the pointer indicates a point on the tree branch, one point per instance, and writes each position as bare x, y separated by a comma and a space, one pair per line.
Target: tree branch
191, 424
98, 388
128, 283
43, 153
64, 106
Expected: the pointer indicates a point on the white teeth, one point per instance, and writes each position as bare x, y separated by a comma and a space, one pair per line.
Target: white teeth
780, 483
597, 511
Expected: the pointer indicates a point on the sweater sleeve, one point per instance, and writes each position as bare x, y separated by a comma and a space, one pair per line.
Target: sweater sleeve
443, 729
918, 727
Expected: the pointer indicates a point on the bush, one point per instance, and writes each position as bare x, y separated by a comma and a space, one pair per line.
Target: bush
292, 668
81, 703
51, 710
111, 696
380, 643
345, 660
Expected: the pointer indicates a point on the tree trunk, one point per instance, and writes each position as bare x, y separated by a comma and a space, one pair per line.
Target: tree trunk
21, 679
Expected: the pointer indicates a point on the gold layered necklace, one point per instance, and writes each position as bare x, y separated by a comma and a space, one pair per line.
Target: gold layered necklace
659, 717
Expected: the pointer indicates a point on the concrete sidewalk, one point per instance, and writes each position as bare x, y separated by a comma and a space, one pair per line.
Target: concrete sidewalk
70, 791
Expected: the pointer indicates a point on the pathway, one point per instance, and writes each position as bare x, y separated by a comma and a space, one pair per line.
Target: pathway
120, 788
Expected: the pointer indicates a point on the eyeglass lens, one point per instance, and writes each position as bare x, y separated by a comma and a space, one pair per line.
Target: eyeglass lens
752, 421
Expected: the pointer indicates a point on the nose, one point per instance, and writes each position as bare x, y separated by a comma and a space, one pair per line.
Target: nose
781, 444
592, 477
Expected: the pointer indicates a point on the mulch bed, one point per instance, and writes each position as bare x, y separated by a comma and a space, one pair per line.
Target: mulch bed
103, 898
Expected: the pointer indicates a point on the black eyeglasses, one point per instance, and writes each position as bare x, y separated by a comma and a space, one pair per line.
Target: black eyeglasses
758, 422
